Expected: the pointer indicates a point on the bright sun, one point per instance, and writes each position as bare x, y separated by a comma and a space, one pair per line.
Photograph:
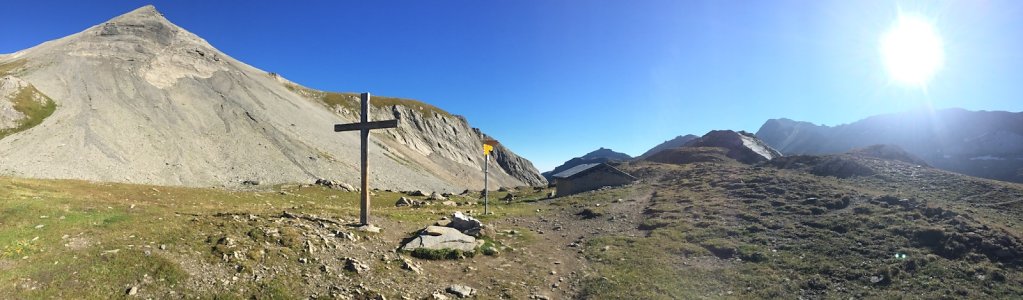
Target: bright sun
912, 51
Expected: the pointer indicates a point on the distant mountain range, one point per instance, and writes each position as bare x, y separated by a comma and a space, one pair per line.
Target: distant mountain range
718, 146
986, 144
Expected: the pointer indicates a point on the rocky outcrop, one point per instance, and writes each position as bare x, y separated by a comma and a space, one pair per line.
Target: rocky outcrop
142, 100
442, 238
465, 224
741, 146
979, 143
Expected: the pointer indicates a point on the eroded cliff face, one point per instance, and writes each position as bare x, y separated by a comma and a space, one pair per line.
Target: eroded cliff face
435, 140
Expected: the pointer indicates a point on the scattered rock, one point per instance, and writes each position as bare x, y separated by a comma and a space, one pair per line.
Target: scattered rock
355, 266
251, 182
440, 238
337, 185
404, 202
368, 228
417, 193
509, 197
465, 224
449, 203
876, 279
438, 296
408, 265
227, 241
461, 291
132, 291
589, 213
436, 196
346, 235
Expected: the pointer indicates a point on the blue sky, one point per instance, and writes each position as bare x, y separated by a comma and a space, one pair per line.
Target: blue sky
556, 79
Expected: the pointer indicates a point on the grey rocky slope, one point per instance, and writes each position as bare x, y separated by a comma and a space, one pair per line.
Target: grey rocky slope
979, 143
141, 100
676, 142
595, 156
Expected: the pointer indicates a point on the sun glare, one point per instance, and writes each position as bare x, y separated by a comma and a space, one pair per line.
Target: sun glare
912, 51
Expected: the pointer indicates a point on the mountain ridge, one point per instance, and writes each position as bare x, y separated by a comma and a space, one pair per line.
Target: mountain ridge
986, 144
676, 142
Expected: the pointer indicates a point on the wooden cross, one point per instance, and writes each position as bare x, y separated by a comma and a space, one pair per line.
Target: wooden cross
363, 127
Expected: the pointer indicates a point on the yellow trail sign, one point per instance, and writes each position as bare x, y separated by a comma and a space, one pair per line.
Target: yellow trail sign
488, 146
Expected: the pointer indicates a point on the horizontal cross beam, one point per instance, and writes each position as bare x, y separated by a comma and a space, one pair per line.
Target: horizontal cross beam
366, 125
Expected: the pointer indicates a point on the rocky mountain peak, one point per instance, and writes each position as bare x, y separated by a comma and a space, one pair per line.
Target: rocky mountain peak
606, 153
147, 12
143, 24
742, 146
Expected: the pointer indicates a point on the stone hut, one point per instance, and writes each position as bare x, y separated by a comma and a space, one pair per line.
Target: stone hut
587, 177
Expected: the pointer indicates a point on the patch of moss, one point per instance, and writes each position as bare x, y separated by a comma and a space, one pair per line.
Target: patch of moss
490, 247
439, 254
11, 66
350, 101
34, 111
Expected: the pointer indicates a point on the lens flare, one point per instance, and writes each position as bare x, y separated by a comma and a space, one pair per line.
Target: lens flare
912, 51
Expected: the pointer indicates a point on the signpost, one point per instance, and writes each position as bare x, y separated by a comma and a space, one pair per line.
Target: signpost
363, 127
488, 146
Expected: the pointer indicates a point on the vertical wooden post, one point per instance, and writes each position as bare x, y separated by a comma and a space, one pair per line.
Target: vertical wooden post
364, 203
364, 127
